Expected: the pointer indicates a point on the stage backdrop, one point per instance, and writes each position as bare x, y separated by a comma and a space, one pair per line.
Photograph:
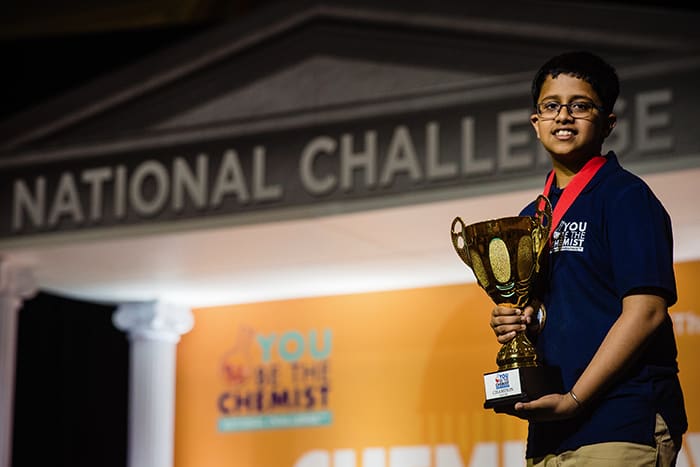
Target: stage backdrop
390, 379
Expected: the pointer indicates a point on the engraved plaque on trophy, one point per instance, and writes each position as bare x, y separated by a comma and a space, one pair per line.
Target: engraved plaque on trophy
505, 256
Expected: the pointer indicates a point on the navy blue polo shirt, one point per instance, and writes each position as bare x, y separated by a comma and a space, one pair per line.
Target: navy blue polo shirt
613, 241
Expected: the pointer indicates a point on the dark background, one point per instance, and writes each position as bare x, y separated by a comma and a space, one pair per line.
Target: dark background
48, 47
71, 386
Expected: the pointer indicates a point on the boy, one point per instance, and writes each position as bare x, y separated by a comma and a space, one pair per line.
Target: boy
608, 284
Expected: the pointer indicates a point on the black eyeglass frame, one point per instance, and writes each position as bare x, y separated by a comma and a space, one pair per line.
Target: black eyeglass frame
568, 109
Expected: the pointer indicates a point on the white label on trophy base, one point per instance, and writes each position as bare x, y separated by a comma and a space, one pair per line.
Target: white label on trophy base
502, 384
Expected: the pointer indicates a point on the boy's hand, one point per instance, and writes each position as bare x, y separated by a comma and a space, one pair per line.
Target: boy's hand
546, 408
506, 321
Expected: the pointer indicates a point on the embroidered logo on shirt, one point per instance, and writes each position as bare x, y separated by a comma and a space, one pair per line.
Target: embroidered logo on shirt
569, 236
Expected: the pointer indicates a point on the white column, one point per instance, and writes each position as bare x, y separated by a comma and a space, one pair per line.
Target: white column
154, 329
16, 285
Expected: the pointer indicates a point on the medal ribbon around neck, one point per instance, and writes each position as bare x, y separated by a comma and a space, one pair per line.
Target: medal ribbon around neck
573, 189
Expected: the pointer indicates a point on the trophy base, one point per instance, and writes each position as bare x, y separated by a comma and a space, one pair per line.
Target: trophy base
504, 388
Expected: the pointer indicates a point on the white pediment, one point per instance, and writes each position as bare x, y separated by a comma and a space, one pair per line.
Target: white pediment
325, 54
315, 83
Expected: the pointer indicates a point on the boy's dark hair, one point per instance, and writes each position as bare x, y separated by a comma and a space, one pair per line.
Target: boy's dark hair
586, 66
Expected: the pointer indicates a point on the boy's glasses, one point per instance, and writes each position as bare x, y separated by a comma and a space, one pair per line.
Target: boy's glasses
578, 109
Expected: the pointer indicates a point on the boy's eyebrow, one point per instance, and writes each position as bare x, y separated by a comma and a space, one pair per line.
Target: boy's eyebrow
572, 98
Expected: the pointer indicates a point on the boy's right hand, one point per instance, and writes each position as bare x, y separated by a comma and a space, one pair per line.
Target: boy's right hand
506, 321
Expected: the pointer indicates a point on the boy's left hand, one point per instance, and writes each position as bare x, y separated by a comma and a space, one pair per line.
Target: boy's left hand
546, 408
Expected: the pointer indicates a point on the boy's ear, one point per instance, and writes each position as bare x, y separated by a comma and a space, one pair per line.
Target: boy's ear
610, 124
534, 120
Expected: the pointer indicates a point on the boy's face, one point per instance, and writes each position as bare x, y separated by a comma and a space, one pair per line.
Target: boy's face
571, 141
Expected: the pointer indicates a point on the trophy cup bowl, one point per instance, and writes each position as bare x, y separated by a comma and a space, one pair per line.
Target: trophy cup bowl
505, 256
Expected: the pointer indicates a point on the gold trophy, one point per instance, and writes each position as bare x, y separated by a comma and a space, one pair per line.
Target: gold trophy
505, 255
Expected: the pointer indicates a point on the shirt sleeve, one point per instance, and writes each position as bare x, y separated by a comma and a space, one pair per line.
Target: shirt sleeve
641, 243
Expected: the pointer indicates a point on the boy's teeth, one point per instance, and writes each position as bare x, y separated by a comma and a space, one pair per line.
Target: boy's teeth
563, 132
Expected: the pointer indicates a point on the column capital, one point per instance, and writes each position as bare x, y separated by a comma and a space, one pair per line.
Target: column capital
153, 320
16, 282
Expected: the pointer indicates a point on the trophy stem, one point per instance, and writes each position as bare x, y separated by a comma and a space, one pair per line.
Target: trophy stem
518, 353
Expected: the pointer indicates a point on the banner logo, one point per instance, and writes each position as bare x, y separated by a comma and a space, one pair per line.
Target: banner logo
275, 381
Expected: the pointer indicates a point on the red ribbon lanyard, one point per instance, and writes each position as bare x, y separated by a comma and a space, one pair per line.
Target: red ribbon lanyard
573, 189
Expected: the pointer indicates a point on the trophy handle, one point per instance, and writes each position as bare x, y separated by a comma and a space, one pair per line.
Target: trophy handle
543, 219
543, 212
459, 241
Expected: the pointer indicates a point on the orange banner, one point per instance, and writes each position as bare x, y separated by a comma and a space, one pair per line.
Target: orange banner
390, 379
